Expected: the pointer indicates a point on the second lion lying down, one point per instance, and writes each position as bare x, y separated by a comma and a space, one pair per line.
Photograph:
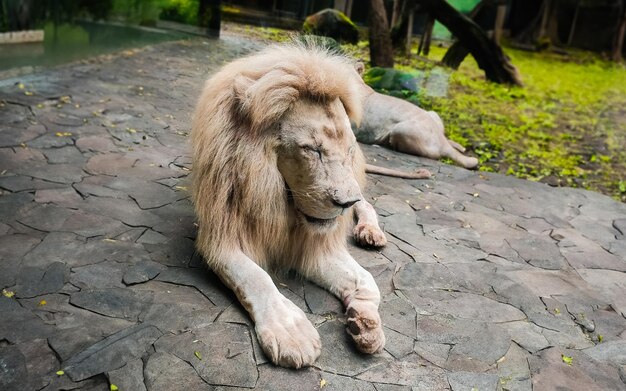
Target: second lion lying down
404, 127
277, 176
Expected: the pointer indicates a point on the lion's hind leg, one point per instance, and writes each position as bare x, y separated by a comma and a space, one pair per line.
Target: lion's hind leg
284, 332
468, 162
456, 145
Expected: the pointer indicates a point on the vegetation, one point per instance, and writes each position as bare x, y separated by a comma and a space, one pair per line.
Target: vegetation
566, 126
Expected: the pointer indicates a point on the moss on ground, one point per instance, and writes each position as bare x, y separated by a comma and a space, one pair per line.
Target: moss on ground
566, 126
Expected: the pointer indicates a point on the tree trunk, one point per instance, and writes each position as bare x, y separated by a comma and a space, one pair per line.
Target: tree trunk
488, 55
456, 53
395, 15
399, 29
618, 43
424, 46
381, 50
210, 16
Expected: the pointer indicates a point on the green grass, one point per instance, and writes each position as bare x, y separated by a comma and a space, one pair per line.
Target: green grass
566, 125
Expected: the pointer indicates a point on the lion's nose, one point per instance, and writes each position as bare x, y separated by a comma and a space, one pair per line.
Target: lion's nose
345, 203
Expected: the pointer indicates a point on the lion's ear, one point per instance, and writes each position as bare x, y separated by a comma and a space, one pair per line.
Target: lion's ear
265, 100
360, 68
241, 85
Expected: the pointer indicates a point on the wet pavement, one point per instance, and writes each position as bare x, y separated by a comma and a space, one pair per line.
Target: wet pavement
488, 282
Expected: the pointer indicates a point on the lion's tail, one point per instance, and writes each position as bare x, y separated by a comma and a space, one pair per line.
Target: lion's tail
417, 174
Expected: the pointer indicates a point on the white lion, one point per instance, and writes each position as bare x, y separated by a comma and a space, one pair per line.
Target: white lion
277, 175
402, 126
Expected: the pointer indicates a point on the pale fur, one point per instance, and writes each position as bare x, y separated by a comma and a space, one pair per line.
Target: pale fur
404, 127
248, 129
238, 192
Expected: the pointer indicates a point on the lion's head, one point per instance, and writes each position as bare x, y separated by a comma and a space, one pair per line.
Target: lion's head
316, 156
274, 154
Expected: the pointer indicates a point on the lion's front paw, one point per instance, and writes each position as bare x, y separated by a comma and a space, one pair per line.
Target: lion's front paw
369, 235
286, 335
365, 327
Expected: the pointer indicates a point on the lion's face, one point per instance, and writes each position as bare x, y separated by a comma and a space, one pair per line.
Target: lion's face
316, 154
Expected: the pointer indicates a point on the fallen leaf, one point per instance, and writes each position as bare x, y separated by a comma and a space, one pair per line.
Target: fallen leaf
20, 86
476, 194
63, 134
557, 311
60, 373
600, 338
197, 354
43, 302
7, 293
28, 93
567, 360
113, 387
322, 383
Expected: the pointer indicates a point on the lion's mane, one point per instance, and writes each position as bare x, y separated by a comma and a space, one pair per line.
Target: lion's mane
240, 196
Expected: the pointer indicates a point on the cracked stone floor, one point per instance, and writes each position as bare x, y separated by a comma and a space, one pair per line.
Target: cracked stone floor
488, 282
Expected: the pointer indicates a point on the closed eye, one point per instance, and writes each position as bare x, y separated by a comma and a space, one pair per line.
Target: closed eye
312, 150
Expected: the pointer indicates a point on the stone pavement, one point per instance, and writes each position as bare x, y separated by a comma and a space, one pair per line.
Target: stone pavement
488, 282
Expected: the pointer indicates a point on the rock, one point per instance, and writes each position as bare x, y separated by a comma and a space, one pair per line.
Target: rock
167, 372
221, 353
611, 284
398, 314
276, 378
66, 197
436, 353
613, 352
339, 355
12, 249
33, 282
408, 372
526, 334
390, 79
320, 301
513, 370
115, 302
142, 271
468, 381
96, 144
68, 342
13, 373
101, 275
397, 344
437, 82
130, 376
341, 383
549, 372
204, 281
331, 23
112, 352
67, 154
